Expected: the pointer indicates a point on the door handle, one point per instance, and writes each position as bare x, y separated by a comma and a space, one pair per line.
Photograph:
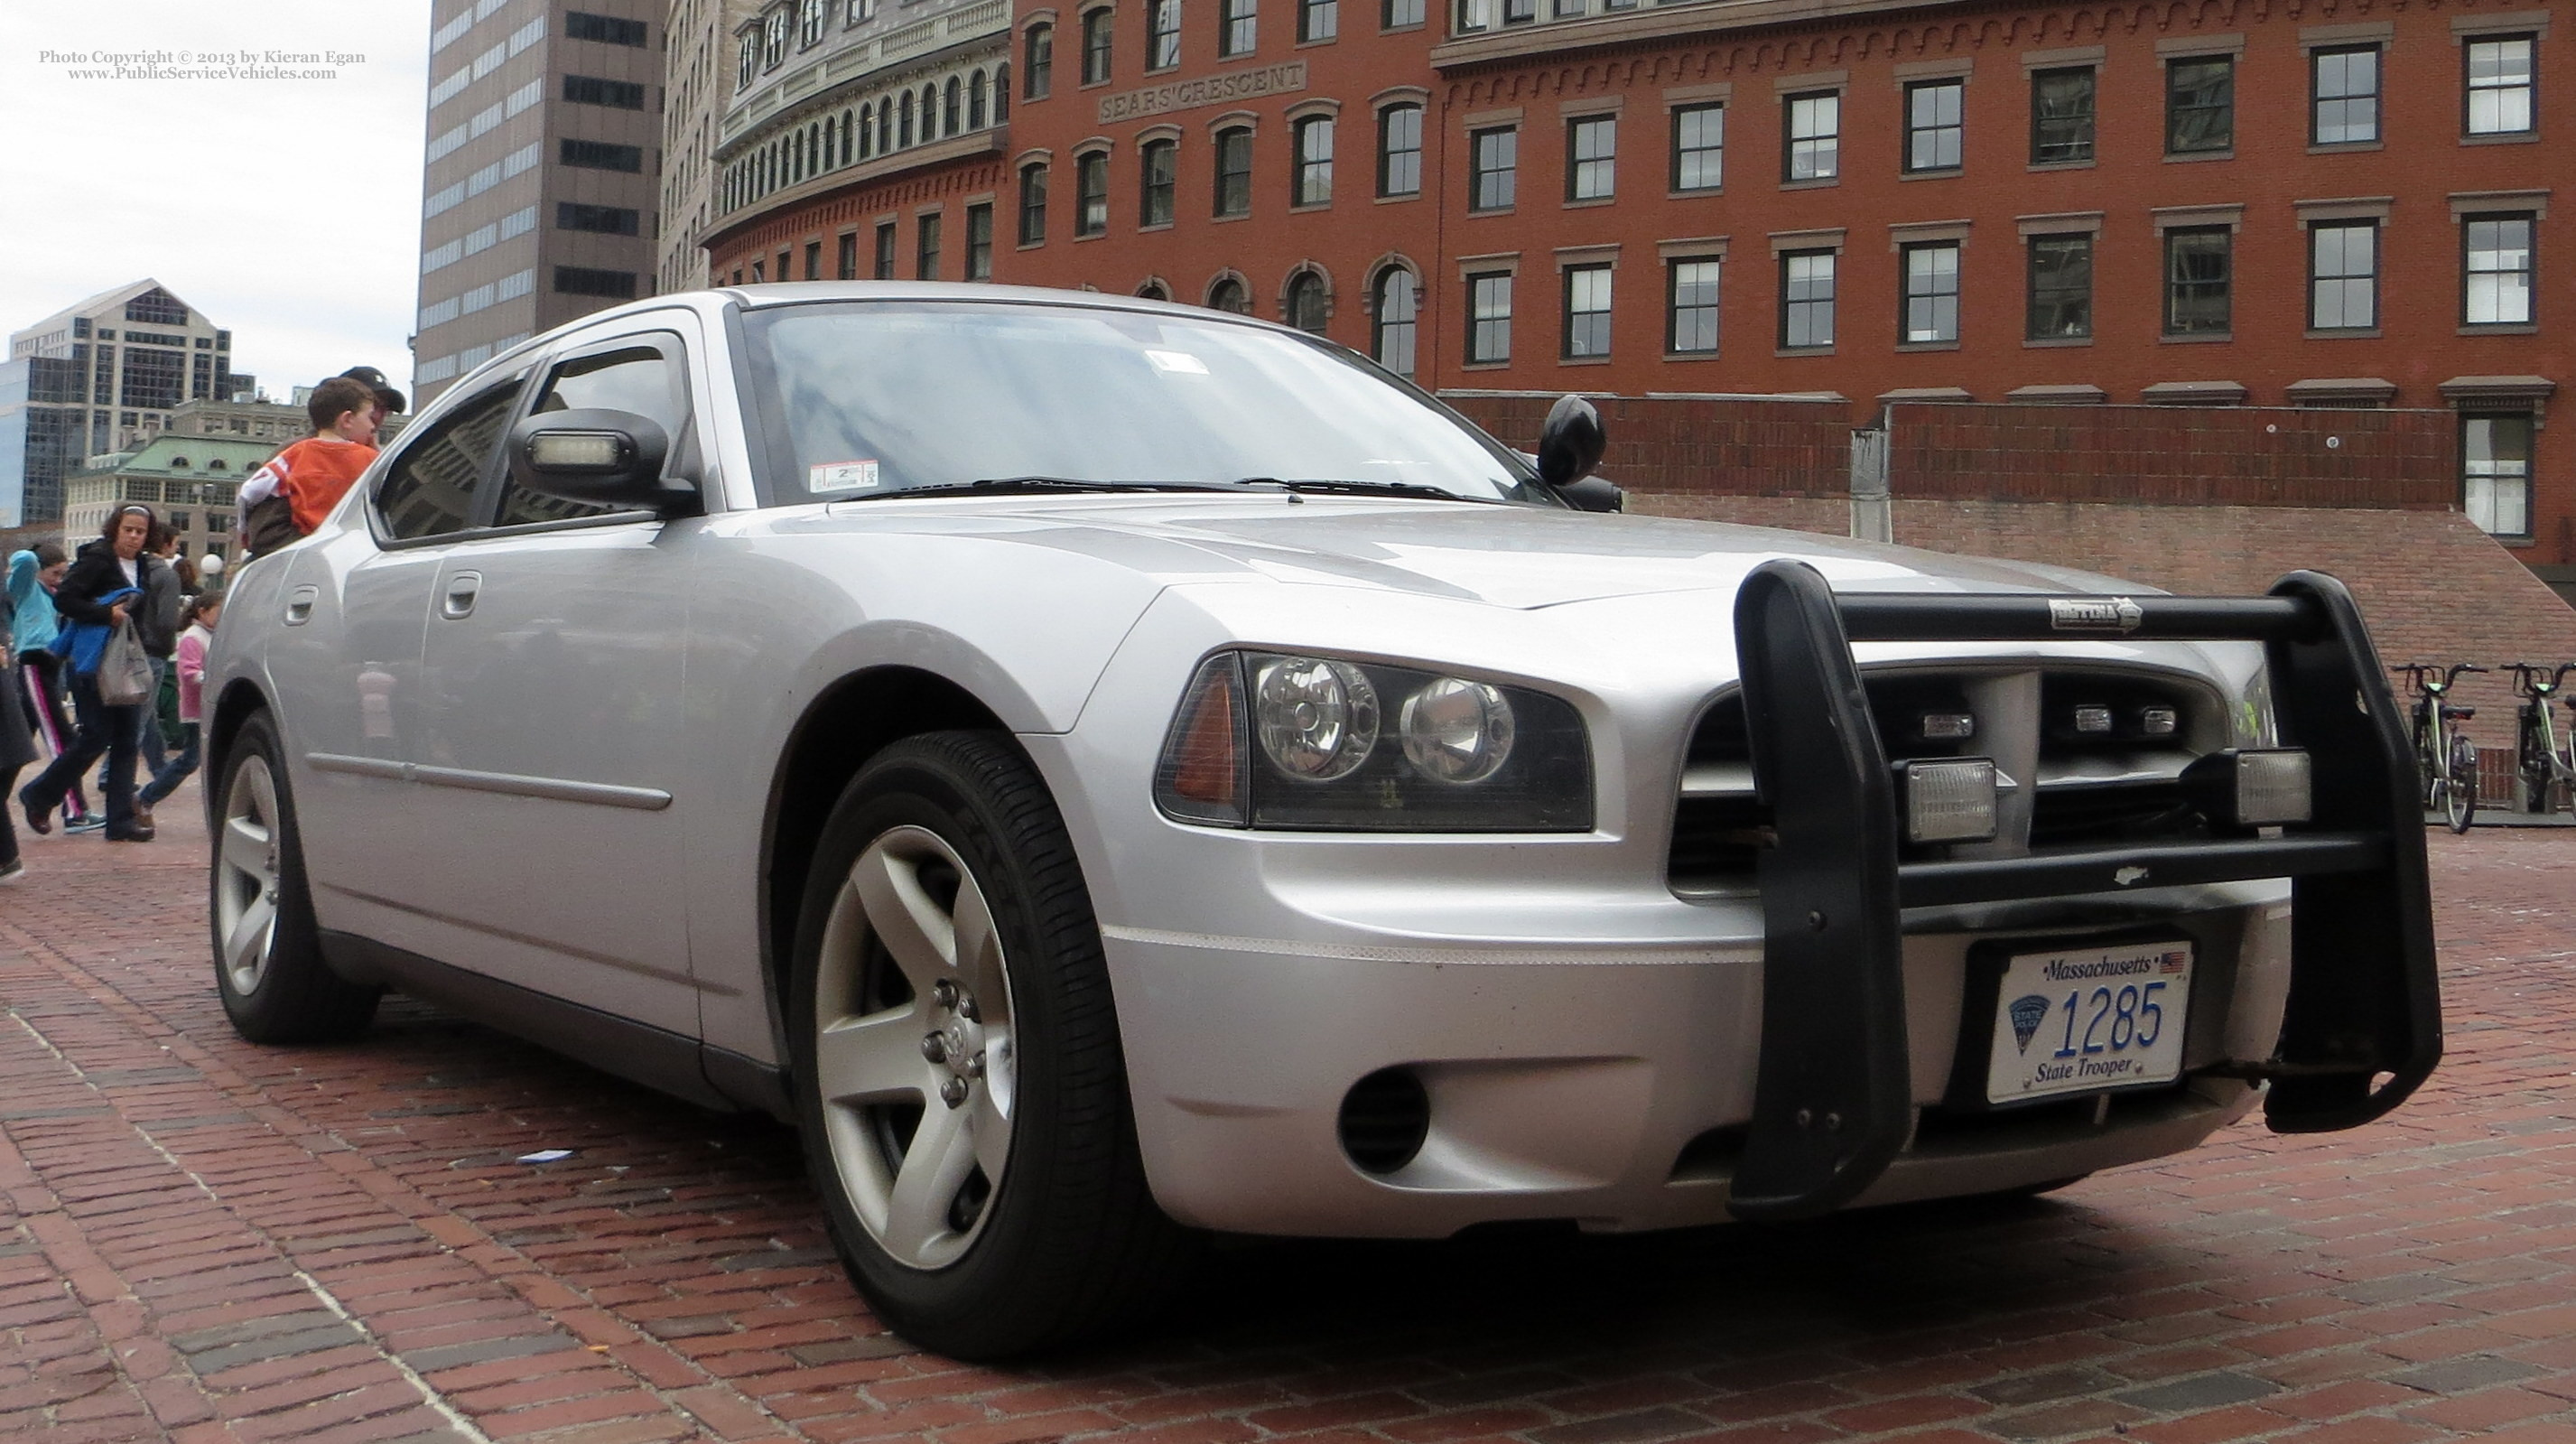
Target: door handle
299, 605
459, 600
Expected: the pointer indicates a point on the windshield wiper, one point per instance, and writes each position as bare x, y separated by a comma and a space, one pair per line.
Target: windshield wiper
1358, 488
1022, 485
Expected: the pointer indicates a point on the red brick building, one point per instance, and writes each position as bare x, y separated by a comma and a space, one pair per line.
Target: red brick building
2275, 204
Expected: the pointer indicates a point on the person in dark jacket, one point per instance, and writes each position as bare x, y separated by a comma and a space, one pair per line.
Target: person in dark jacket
156, 625
95, 597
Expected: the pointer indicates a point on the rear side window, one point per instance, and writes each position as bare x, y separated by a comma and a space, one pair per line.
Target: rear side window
640, 378
429, 490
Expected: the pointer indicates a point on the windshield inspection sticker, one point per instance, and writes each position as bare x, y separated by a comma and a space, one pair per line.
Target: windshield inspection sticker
824, 478
1177, 361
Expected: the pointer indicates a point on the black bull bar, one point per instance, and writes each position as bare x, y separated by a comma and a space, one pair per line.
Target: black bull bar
1832, 1101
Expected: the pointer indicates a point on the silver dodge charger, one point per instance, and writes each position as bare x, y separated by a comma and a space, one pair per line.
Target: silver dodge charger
1110, 773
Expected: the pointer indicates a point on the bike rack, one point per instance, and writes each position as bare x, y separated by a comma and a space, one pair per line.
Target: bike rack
1832, 1100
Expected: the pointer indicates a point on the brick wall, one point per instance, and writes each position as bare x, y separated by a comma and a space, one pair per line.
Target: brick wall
2176, 455
1731, 446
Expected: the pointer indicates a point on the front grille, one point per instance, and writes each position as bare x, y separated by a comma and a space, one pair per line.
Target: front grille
2092, 784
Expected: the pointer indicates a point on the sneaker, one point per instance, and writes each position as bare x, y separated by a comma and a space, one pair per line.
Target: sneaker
90, 823
11, 868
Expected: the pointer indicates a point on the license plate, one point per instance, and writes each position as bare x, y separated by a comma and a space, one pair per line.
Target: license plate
2083, 1019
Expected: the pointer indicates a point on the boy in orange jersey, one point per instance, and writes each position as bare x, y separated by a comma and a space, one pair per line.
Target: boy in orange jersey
288, 497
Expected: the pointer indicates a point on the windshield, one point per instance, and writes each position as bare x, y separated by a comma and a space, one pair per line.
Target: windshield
877, 398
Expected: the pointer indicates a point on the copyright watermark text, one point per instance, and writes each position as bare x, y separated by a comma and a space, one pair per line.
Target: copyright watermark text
201, 64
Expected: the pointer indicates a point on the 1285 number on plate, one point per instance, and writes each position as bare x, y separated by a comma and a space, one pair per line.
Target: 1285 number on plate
2086, 1018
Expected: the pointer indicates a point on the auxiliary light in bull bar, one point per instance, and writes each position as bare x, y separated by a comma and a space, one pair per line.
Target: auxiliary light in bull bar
2254, 788
1950, 800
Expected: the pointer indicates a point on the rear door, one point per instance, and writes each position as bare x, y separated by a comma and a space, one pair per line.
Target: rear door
551, 729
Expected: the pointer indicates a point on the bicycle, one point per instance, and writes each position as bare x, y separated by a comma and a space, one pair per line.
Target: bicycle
2446, 758
2543, 764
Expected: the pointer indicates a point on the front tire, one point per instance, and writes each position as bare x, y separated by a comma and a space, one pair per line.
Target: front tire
2462, 804
958, 1077
268, 953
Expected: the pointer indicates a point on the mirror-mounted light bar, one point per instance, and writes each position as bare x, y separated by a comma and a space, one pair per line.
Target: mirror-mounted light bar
2252, 788
1950, 799
604, 451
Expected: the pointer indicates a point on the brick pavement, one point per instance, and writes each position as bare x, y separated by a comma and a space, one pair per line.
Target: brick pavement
205, 1241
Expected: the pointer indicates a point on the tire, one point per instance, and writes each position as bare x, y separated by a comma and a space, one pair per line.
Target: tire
1023, 1221
268, 954
2462, 804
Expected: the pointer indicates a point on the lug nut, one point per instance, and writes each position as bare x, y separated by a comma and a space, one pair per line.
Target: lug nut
944, 993
953, 1092
935, 1048
967, 1010
975, 1065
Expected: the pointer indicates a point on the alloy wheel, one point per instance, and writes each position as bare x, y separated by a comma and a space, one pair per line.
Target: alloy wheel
247, 876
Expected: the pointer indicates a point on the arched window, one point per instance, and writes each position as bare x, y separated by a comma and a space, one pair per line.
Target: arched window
975, 102
1391, 330
846, 152
929, 113
1001, 92
903, 125
951, 106
1150, 291
867, 132
1306, 302
885, 126
1228, 294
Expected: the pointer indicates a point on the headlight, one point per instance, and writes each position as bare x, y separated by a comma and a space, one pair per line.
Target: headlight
1264, 739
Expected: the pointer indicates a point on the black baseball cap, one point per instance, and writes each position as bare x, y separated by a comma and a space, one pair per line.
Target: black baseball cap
374, 380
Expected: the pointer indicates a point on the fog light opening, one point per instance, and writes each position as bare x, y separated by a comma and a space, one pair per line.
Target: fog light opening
1952, 800
1385, 1117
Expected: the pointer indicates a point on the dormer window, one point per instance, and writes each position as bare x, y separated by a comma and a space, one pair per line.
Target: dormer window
773, 39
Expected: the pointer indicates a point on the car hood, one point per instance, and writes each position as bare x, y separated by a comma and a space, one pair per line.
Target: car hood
1521, 557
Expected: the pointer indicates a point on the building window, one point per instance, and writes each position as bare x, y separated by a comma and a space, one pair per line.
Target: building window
1399, 151
847, 267
600, 155
810, 21
1935, 117
603, 220
2495, 473
1234, 172
746, 60
1037, 67
1496, 170
2499, 85
2200, 105
2197, 265
885, 252
1931, 293
951, 111
1475, 15
1229, 295
1033, 204
773, 39
1238, 28
2343, 276
1310, 181
1097, 32
1699, 147
1091, 194
1813, 137
975, 102
813, 260
1691, 299
1806, 299
615, 94
1400, 14
926, 248
2344, 85
1306, 302
1158, 168
1519, 12
2497, 272
1489, 319
1318, 19
2061, 288
979, 242
1162, 34
1592, 157
582, 281
604, 29
1587, 312
903, 136
1397, 311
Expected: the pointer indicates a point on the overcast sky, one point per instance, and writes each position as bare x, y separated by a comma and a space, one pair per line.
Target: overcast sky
288, 211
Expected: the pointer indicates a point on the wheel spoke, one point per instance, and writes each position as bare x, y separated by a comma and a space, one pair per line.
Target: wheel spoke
991, 1128
978, 953
873, 1059
917, 935
935, 1167
246, 943
245, 848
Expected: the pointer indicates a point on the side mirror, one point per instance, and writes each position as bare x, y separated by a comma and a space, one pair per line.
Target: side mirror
608, 458
1569, 446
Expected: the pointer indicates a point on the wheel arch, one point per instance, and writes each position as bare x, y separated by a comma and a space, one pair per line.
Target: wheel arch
233, 706
848, 723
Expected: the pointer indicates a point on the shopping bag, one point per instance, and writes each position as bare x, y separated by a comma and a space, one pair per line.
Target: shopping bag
124, 669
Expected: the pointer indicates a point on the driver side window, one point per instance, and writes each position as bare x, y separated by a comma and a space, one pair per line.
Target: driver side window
429, 490
638, 377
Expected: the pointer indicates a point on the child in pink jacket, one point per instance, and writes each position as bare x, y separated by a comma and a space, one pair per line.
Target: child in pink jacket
203, 613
